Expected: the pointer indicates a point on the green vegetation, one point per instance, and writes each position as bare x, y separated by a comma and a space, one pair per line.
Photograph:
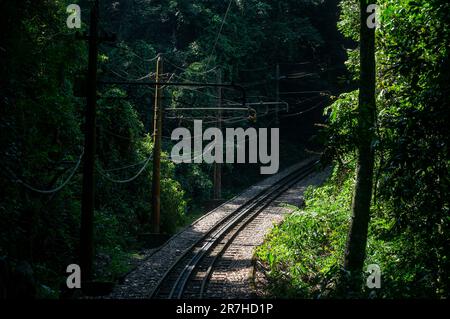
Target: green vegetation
42, 111
305, 253
43, 66
408, 232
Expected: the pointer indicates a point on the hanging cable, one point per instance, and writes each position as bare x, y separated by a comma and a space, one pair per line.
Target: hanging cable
132, 52
307, 92
196, 90
50, 191
211, 145
218, 34
303, 101
129, 180
128, 77
168, 80
125, 167
305, 111
190, 71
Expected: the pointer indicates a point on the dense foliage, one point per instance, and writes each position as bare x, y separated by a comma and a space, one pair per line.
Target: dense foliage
408, 236
42, 67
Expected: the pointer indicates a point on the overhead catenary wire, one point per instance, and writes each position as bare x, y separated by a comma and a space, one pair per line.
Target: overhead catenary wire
129, 180
195, 72
50, 191
209, 109
218, 34
306, 92
213, 144
299, 102
189, 70
247, 119
128, 49
147, 76
125, 167
210, 145
232, 120
305, 111
210, 120
296, 76
263, 68
196, 90
168, 80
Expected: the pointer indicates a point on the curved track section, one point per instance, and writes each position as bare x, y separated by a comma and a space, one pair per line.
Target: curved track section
189, 276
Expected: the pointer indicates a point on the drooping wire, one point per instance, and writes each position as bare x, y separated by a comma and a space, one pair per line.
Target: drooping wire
150, 75
196, 90
305, 92
211, 145
168, 80
129, 180
218, 34
128, 49
305, 111
125, 167
50, 191
303, 101
189, 71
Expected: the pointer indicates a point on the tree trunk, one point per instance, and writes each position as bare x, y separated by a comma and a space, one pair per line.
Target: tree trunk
357, 238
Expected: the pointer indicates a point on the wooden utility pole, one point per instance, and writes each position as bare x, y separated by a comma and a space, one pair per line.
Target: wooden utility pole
356, 245
277, 93
157, 132
88, 196
218, 166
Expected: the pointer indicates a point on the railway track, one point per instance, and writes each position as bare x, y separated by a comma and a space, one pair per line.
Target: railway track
189, 276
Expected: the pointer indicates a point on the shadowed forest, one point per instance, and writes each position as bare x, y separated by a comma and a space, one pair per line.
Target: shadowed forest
372, 103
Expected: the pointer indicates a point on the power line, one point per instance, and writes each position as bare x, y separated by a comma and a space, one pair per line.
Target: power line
209, 108
150, 75
147, 76
218, 34
231, 120
50, 191
168, 80
125, 167
188, 80
307, 92
211, 145
128, 49
300, 75
272, 65
294, 63
303, 101
196, 90
129, 180
213, 119
190, 71
305, 111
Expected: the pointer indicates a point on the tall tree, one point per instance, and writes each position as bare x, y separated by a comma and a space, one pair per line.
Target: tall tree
357, 238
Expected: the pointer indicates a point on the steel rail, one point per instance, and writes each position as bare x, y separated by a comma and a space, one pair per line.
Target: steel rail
220, 230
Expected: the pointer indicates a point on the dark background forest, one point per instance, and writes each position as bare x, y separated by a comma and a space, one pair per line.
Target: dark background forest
315, 45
